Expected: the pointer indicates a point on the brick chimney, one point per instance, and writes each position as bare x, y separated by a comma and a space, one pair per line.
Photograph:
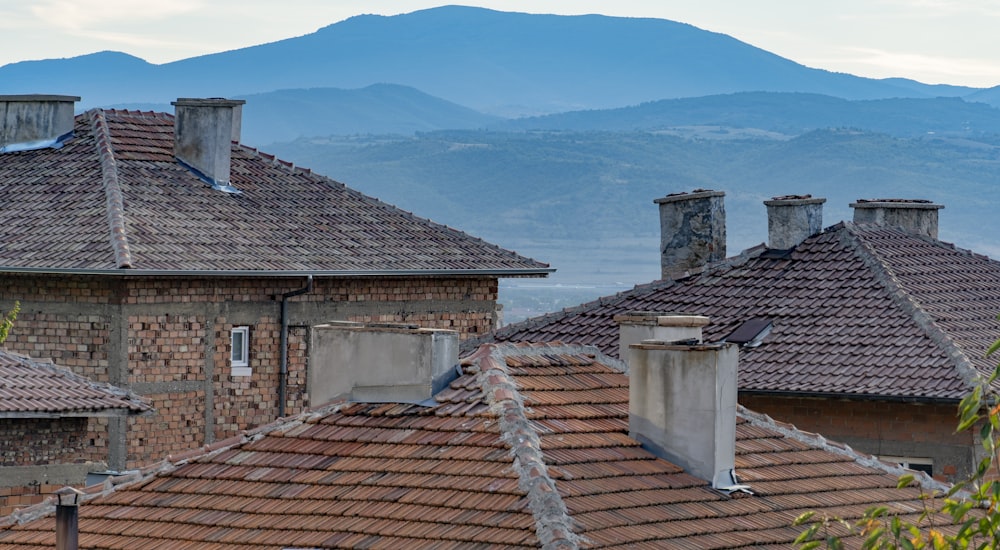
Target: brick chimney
379, 363
682, 406
29, 122
635, 327
692, 231
204, 131
914, 215
791, 219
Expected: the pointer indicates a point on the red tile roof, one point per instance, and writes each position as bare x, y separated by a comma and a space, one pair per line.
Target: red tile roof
528, 448
857, 310
115, 197
33, 389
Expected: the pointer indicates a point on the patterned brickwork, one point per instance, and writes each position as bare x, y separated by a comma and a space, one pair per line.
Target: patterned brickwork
177, 330
36, 441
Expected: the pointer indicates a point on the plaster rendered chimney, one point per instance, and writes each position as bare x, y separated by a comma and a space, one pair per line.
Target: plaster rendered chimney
204, 131
379, 363
915, 216
692, 231
635, 327
29, 122
791, 219
682, 406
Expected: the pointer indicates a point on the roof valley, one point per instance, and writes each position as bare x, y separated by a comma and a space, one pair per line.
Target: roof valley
114, 203
885, 276
553, 524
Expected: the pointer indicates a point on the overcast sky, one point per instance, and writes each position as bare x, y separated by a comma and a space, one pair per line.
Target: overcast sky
934, 41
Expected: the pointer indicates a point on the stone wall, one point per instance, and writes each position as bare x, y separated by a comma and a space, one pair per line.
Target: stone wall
169, 340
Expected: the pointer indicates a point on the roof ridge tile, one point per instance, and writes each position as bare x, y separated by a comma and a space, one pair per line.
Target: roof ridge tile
114, 202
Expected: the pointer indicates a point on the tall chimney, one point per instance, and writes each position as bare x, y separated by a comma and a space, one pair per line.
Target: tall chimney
791, 219
204, 131
634, 327
682, 406
692, 231
379, 363
29, 122
913, 215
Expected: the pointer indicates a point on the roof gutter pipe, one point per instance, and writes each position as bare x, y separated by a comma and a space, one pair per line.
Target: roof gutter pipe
283, 375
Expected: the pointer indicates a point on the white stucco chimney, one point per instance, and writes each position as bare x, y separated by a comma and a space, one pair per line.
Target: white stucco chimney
34, 121
916, 216
692, 231
379, 363
204, 131
791, 219
636, 327
682, 406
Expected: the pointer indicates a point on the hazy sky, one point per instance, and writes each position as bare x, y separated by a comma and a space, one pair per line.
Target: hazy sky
934, 41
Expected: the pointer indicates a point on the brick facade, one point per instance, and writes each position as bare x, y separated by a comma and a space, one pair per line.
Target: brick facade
882, 428
169, 340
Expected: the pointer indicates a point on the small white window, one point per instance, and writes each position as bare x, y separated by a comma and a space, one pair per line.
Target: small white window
239, 358
925, 465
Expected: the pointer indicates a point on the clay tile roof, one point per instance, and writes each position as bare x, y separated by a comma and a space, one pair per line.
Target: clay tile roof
114, 197
33, 389
528, 448
857, 310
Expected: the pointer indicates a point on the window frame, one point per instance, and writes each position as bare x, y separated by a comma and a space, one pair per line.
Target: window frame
240, 365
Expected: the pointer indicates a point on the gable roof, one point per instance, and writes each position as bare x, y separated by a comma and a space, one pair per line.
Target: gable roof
529, 447
115, 198
37, 389
857, 310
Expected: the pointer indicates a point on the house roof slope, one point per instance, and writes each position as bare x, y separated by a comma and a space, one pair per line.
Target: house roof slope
115, 197
529, 447
37, 389
857, 310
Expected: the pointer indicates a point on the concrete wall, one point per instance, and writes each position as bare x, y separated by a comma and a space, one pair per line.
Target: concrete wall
168, 339
880, 428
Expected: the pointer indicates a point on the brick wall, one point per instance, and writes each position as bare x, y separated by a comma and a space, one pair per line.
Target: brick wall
880, 428
169, 340
35, 441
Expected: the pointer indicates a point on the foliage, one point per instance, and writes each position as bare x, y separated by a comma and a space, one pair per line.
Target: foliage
879, 530
7, 322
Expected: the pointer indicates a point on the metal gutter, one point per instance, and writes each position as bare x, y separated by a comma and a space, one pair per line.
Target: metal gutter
853, 397
283, 373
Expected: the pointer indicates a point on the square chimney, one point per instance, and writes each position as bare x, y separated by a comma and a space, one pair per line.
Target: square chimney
916, 216
204, 133
682, 406
791, 219
29, 122
692, 231
377, 363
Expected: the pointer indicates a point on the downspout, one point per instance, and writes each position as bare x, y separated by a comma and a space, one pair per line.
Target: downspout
283, 375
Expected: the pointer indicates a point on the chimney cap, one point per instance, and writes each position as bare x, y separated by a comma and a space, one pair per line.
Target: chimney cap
794, 200
685, 196
662, 319
39, 97
207, 102
917, 204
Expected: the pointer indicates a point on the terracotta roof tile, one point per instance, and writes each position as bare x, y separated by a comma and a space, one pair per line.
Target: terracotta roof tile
115, 197
31, 388
857, 310
510, 475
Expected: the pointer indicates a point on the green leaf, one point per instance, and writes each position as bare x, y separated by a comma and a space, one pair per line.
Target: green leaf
904, 480
804, 517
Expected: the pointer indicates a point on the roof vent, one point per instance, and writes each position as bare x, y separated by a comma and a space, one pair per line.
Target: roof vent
204, 131
692, 231
380, 363
791, 219
30, 122
912, 215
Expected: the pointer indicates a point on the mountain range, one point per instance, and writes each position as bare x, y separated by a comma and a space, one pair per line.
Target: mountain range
553, 134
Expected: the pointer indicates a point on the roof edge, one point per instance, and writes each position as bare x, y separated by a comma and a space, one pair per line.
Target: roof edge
138, 273
884, 275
